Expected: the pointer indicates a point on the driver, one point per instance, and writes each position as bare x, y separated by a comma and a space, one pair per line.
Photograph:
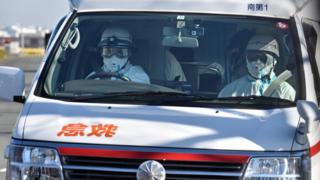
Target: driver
115, 47
261, 57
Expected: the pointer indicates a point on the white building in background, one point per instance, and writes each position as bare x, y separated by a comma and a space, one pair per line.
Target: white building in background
18, 38
4, 34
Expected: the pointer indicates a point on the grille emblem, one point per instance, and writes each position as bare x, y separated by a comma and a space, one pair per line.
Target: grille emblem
151, 170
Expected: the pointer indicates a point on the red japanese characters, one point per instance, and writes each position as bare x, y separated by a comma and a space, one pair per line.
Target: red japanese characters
78, 129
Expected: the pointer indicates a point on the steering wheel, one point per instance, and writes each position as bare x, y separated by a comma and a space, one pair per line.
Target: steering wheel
104, 75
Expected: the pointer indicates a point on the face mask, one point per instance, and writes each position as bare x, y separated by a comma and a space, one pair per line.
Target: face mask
113, 63
258, 69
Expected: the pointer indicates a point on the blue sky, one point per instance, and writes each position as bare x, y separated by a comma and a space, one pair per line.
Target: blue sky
44, 13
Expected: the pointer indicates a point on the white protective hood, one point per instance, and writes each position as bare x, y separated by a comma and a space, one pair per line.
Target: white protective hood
179, 127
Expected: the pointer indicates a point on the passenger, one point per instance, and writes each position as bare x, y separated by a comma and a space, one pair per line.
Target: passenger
261, 57
116, 47
235, 50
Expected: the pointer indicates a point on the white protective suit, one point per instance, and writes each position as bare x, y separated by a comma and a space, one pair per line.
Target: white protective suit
134, 73
115, 45
260, 75
248, 86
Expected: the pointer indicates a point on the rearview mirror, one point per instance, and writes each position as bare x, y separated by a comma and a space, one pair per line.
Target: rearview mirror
182, 42
180, 37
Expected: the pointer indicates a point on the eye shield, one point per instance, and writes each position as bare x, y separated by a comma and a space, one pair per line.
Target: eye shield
119, 52
115, 46
259, 55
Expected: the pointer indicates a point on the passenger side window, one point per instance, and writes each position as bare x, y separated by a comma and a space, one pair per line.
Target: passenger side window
311, 31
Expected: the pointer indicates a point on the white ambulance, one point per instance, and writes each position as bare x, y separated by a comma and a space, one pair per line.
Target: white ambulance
172, 89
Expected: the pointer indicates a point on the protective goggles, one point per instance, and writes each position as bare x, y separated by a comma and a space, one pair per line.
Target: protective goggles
111, 51
255, 55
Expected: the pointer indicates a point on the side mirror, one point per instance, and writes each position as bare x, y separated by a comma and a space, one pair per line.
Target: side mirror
11, 83
309, 111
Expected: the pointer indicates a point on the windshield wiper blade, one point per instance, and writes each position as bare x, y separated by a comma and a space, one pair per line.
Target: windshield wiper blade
165, 97
127, 95
257, 100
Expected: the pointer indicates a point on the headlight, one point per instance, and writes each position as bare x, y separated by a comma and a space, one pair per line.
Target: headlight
26, 163
273, 168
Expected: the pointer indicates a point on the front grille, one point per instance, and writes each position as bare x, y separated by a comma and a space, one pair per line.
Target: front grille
79, 167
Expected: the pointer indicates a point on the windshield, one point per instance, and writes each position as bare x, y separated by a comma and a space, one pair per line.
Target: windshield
207, 56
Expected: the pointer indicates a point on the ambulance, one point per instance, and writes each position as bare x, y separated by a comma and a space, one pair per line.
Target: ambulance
172, 89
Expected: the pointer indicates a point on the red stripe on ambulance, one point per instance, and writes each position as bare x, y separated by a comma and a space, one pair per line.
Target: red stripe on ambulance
70, 151
315, 149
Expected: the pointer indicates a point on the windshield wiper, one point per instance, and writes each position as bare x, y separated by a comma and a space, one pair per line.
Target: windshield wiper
131, 95
169, 97
259, 100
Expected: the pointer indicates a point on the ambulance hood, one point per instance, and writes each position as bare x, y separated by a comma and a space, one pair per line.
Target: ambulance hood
161, 126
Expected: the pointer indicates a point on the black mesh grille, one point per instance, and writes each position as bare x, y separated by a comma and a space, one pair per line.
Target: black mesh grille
117, 169
97, 175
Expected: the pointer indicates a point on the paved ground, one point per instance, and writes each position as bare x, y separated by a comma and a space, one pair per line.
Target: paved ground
9, 110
